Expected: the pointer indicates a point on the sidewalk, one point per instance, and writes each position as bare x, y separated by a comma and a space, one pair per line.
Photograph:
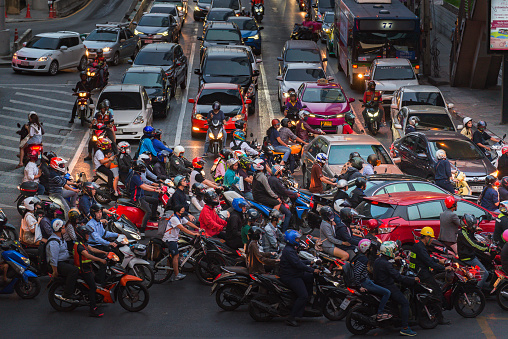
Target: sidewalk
37, 15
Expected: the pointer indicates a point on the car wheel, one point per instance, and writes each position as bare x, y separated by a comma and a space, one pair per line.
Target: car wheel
82, 63
116, 59
53, 68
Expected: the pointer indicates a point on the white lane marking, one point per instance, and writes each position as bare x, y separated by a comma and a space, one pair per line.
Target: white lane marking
267, 103
15, 129
38, 85
38, 106
44, 143
17, 110
78, 152
45, 124
44, 98
7, 206
9, 161
179, 127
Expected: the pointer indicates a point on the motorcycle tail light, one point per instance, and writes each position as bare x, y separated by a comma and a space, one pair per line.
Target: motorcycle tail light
239, 253
351, 290
253, 277
217, 277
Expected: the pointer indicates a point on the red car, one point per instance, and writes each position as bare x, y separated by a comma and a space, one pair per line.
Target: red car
401, 213
232, 101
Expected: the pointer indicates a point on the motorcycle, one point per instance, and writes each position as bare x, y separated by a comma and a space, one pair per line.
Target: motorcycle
372, 116
94, 77
495, 152
301, 32
133, 261
216, 135
259, 12
104, 194
124, 226
7, 230
83, 106
501, 289
233, 288
24, 281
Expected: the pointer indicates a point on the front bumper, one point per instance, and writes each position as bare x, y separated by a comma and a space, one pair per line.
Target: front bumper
148, 39
92, 53
131, 131
31, 65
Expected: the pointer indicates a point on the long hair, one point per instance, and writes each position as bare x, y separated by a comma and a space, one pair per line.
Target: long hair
34, 119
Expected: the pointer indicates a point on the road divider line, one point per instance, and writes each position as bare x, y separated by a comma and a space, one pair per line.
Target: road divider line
45, 124
43, 106
76, 156
6, 137
179, 127
265, 123
44, 98
11, 174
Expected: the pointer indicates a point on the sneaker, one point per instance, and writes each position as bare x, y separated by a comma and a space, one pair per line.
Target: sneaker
71, 121
291, 322
205, 155
96, 313
407, 332
180, 276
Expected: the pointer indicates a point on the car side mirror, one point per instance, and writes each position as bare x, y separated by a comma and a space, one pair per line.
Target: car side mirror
487, 217
255, 72
450, 106
278, 78
280, 59
261, 28
63, 48
197, 71
200, 38
397, 126
460, 126
248, 101
191, 101
325, 59
422, 156
350, 100
394, 106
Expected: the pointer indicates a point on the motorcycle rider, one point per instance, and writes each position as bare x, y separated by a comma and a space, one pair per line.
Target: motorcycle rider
215, 114
256, 2
97, 237
444, 172
288, 137
276, 141
501, 223
449, 223
412, 123
353, 171
46, 223
489, 198
316, 174
503, 189
31, 135
467, 130
146, 144
32, 173
314, 25
347, 126
296, 274
372, 161
81, 85
278, 188
352, 155
502, 163
218, 169
231, 178
293, 105
160, 166
273, 236
372, 95
257, 260
102, 159
347, 230
480, 138
385, 276
235, 223
209, 219
261, 190
358, 193
58, 187
239, 143
197, 203
74, 220
88, 199
303, 128
178, 164
158, 145
197, 174
105, 116
327, 234
426, 267
124, 161
44, 167
101, 63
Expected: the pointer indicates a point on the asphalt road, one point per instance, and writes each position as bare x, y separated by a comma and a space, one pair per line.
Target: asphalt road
184, 308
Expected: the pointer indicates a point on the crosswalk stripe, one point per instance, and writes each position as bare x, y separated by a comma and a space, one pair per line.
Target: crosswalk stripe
44, 98
11, 174
36, 89
8, 185
45, 134
43, 106
8, 161
45, 124
44, 143
39, 114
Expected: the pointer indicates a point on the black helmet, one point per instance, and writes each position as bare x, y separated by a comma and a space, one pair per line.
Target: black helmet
74, 215
211, 198
357, 163
94, 209
371, 85
88, 187
274, 215
139, 167
349, 117
198, 189
348, 214
504, 182
216, 105
469, 222
360, 182
326, 213
481, 125
252, 214
254, 233
285, 122
239, 124
490, 180
105, 103
354, 155
372, 159
47, 156
51, 209
307, 16
225, 153
82, 73
83, 230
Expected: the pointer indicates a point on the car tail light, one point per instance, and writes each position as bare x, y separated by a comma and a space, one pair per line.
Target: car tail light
385, 230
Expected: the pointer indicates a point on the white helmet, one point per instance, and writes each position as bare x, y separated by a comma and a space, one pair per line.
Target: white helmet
31, 113
342, 183
258, 165
303, 113
144, 157
57, 225
30, 203
231, 162
440, 154
178, 150
466, 120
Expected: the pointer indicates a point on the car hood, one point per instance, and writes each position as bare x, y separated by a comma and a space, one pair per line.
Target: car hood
393, 85
474, 168
151, 30
126, 116
34, 52
154, 92
246, 34
243, 81
286, 85
229, 110
326, 108
97, 44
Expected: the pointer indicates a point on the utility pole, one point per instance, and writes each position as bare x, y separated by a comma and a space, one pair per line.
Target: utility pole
425, 11
5, 43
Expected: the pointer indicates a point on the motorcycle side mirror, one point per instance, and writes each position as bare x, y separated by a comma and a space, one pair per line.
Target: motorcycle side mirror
197, 71
259, 60
280, 59
24, 44
130, 61
450, 106
63, 48
255, 72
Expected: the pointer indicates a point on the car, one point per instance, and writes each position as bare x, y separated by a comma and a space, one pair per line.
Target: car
180, 5
253, 60
250, 31
171, 58
326, 26
390, 74
418, 95
300, 51
116, 41
232, 100
169, 8
431, 118
415, 154
50, 52
218, 14
201, 9
132, 109
219, 33
338, 148
326, 102
157, 27
235, 5
321, 7
295, 75
403, 214
153, 80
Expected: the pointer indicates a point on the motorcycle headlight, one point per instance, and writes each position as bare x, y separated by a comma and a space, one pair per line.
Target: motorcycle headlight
219, 135
158, 99
94, 138
211, 136
87, 53
372, 115
139, 120
43, 58
257, 9
179, 8
327, 30
197, 9
26, 260
255, 37
137, 32
165, 33
82, 94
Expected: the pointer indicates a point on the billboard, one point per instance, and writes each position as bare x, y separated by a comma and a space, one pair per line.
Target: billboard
498, 21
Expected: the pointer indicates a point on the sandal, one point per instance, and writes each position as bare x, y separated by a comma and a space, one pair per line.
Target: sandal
19, 166
383, 316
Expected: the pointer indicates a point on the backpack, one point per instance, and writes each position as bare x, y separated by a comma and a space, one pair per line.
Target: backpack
348, 273
43, 266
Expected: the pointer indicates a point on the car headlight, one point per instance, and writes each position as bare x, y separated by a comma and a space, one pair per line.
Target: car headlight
199, 117
339, 116
158, 99
106, 49
495, 174
15, 56
137, 32
138, 120
179, 8
327, 30
87, 53
43, 58
197, 9
238, 117
312, 115
165, 33
255, 37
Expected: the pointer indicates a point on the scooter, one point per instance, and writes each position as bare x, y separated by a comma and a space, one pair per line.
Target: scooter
301, 32
83, 106
7, 230
496, 153
94, 77
216, 136
372, 116
133, 261
259, 12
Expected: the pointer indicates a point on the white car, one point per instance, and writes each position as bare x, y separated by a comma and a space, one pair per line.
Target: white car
390, 74
418, 95
294, 75
132, 109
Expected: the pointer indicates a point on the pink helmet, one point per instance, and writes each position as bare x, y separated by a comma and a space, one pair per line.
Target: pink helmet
505, 235
364, 245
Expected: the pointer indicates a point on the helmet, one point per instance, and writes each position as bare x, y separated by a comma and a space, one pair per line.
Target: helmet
371, 85
254, 233
216, 105
124, 147
143, 157
290, 236
252, 214
74, 215
339, 204
373, 160
88, 187
505, 235
239, 135
30, 203
276, 169
274, 215
139, 250
303, 113
469, 222
31, 113
258, 165
179, 150
148, 130
388, 248
307, 16
245, 163
157, 133
47, 156
239, 203
504, 149
354, 155
57, 224
83, 230
321, 157
466, 120
240, 124
450, 202
139, 168
94, 209
481, 125
231, 162
178, 179
490, 179
225, 153
504, 182
440, 154
285, 122
342, 183
104, 143
51, 209
81, 74
360, 182
163, 154
349, 117
427, 231
414, 120
105, 103
326, 213
275, 122
198, 162
211, 198
292, 92
198, 189
58, 164
239, 154
357, 163
348, 214
364, 245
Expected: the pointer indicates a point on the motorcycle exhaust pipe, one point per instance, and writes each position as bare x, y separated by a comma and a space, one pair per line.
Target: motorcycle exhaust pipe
232, 297
265, 307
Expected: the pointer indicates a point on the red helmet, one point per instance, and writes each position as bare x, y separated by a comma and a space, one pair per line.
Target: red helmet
275, 122
450, 201
58, 164
504, 149
198, 162
104, 143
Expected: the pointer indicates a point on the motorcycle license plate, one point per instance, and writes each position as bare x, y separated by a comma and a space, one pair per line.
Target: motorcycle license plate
477, 189
497, 282
345, 303
326, 124
23, 63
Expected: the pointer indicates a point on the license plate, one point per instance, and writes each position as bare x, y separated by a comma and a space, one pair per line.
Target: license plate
476, 188
326, 124
497, 282
148, 41
345, 303
23, 63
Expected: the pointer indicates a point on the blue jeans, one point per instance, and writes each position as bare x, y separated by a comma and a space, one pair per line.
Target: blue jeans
285, 150
484, 272
40, 189
287, 217
248, 195
207, 141
376, 289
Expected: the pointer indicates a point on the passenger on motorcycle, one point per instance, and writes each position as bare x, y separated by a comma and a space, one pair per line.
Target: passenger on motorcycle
489, 198
372, 95
158, 145
209, 219
358, 193
480, 138
443, 176
44, 167
412, 123
124, 161
32, 173
341, 193
296, 274
178, 164
105, 116
239, 143
102, 160
372, 161
197, 203
316, 174
467, 130
240, 125
349, 121
215, 114
273, 237
261, 190
293, 105
347, 230
101, 63
146, 144
59, 189
425, 266
99, 234
257, 260
74, 220
81, 85
288, 137
303, 128
314, 25
251, 217
449, 224
46, 224
219, 165
276, 141
385, 275
31, 135
501, 223
327, 234
235, 223
278, 188
502, 163
231, 178
159, 167
30, 222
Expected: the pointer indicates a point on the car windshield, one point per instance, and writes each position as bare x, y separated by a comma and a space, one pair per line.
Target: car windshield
457, 149
375, 211
122, 100
244, 25
102, 35
339, 154
164, 9
237, 66
233, 4
329, 18
219, 15
222, 35
423, 98
301, 74
394, 73
328, 95
154, 58
303, 55
430, 121
39, 42
326, 4
224, 96
146, 79
154, 21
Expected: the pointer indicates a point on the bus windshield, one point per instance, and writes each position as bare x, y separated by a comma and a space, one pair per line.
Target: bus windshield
372, 45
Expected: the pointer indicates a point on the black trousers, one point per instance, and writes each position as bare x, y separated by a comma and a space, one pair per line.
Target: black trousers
88, 277
75, 108
70, 272
107, 171
447, 185
303, 289
149, 206
397, 296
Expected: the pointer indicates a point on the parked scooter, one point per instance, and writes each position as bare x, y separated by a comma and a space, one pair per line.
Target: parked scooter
7, 230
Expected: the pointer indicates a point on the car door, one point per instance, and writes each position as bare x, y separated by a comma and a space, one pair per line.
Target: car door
407, 154
425, 214
466, 207
180, 65
398, 123
76, 50
148, 107
173, 27
422, 161
123, 44
64, 56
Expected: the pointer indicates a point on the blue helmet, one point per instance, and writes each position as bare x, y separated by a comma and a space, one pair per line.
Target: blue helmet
162, 154
290, 236
321, 157
148, 130
238, 203
178, 179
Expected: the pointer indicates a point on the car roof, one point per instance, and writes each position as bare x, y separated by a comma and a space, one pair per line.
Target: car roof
303, 65
224, 51
242, 47
406, 198
392, 62
163, 5
393, 177
221, 25
122, 88
301, 44
440, 135
59, 34
241, 18
347, 139
220, 85
419, 88
159, 46
145, 69
314, 84
221, 9
415, 109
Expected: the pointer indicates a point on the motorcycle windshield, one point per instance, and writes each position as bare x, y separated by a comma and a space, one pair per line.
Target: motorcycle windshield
128, 225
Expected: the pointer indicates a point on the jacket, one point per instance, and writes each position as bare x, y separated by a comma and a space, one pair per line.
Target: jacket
271, 238
422, 263
303, 129
467, 246
351, 174
99, 233
56, 251
357, 196
178, 165
261, 187
56, 182
385, 275
160, 171
210, 221
124, 163
291, 266
449, 226
234, 227
159, 146
146, 145
327, 234
343, 233
499, 228
179, 198
279, 189
256, 260
341, 195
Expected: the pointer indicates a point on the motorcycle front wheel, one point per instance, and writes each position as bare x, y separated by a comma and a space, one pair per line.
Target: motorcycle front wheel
423, 318
469, 302
144, 272
8, 233
162, 274
228, 296
502, 297
208, 267
374, 128
332, 310
29, 289
133, 297
102, 196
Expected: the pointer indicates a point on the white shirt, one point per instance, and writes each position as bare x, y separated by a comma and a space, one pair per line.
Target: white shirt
35, 130
172, 231
244, 146
31, 170
97, 158
368, 169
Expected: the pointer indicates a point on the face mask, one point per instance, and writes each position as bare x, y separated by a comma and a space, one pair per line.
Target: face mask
279, 222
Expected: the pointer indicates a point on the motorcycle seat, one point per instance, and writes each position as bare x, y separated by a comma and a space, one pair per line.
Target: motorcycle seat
307, 192
126, 202
237, 269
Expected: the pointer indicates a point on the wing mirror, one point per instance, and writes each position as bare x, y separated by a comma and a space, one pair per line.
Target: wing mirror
200, 38
450, 106
280, 59
197, 71
63, 48
278, 78
421, 156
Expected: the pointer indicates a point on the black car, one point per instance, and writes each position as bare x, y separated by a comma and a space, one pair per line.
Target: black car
171, 58
201, 9
157, 27
235, 5
219, 14
220, 33
393, 183
415, 154
153, 79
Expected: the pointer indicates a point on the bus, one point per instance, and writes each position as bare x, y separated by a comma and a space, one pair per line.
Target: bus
365, 30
